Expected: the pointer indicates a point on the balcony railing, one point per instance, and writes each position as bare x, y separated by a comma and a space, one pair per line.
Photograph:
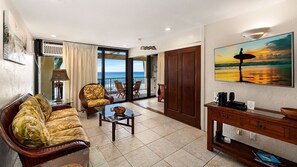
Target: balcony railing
112, 90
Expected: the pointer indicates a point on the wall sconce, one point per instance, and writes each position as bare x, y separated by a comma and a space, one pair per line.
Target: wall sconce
256, 33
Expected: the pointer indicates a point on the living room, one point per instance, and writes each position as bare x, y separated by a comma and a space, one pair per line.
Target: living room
211, 30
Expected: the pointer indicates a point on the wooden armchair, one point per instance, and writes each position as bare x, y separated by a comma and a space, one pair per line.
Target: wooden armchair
94, 95
136, 88
33, 156
161, 92
121, 92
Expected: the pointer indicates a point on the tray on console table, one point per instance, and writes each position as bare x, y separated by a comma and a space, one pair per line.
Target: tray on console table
265, 122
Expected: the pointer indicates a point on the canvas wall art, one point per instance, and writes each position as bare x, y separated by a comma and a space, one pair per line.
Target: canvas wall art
267, 61
14, 40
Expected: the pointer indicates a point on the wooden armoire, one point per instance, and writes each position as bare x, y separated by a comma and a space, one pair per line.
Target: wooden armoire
182, 85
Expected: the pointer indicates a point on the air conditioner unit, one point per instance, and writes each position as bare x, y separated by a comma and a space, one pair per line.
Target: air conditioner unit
52, 49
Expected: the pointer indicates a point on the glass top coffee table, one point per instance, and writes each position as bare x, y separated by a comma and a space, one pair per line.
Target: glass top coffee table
106, 114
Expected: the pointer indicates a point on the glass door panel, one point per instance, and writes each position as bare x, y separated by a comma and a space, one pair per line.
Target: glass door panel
115, 74
140, 84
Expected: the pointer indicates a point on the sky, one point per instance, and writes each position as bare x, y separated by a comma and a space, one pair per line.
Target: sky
266, 49
112, 65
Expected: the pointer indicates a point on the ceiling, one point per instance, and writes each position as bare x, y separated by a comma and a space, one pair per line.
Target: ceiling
120, 23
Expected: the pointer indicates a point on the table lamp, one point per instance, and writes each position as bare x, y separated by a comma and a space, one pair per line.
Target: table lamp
58, 76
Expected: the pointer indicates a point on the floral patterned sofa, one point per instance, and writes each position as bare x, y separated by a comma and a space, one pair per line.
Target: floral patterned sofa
38, 132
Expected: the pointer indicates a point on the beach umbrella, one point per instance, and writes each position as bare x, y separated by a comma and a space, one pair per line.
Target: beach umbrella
242, 56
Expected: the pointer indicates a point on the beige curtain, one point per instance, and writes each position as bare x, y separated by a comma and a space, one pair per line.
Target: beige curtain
161, 68
80, 61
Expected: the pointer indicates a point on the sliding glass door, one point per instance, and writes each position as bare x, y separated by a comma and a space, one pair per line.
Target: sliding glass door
144, 77
112, 72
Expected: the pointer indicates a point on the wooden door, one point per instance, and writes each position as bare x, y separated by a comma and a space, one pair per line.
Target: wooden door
182, 85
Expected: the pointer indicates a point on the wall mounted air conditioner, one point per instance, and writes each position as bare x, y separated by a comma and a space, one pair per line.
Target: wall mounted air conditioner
52, 49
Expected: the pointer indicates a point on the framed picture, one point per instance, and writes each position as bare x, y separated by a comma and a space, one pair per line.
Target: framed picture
14, 40
267, 61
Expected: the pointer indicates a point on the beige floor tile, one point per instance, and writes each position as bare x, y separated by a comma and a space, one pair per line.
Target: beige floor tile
150, 123
119, 134
103, 165
193, 131
184, 159
198, 148
128, 144
223, 160
162, 164
163, 130
176, 124
96, 157
137, 128
99, 140
141, 118
18, 163
147, 136
91, 132
142, 157
181, 137
163, 147
109, 152
119, 162
163, 119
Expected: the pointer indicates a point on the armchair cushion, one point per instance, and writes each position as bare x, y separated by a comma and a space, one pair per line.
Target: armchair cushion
62, 113
94, 92
68, 135
29, 131
63, 124
44, 105
97, 102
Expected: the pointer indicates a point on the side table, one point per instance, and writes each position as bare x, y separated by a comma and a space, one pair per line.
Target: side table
53, 103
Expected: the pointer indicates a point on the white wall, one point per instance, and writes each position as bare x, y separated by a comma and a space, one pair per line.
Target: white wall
282, 18
176, 41
15, 79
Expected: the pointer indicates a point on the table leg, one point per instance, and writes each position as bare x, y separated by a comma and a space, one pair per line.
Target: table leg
128, 121
132, 126
100, 119
209, 132
113, 131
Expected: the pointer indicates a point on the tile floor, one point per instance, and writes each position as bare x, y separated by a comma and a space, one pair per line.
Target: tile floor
151, 103
159, 141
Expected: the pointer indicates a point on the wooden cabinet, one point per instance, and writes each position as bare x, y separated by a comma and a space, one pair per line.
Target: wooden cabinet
182, 85
264, 122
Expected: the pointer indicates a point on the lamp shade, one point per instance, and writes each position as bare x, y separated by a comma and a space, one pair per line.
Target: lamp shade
59, 75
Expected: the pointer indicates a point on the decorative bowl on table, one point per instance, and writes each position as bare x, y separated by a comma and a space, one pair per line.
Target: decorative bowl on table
119, 109
289, 112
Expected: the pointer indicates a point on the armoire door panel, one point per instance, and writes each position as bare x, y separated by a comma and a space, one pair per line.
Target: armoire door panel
182, 85
172, 81
188, 83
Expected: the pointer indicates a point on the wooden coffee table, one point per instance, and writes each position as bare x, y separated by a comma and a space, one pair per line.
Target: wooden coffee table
106, 114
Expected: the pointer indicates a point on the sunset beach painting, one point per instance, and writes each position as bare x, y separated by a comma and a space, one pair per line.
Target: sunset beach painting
267, 61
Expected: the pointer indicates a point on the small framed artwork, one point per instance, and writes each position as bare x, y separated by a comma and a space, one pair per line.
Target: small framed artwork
14, 40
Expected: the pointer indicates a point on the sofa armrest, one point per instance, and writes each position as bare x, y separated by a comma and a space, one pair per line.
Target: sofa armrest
60, 107
56, 150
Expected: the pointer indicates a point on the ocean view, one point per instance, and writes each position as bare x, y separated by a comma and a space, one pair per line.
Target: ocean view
120, 75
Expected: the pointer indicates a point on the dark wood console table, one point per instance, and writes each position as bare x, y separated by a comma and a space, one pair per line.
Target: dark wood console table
265, 122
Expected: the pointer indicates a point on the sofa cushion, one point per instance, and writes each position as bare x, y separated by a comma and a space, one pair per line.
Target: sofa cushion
30, 111
62, 113
68, 135
30, 131
32, 104
62, 124
44, 105
97, 102
94, 92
